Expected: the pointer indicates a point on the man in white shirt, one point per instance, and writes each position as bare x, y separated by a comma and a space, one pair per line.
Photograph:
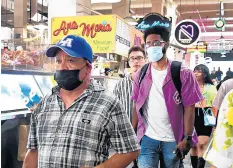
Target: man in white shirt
164, 118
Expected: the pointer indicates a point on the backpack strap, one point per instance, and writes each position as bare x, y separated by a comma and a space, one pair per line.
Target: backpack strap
175, 72
143, 73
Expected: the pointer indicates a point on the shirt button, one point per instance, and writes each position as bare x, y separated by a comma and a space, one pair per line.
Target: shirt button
51, 164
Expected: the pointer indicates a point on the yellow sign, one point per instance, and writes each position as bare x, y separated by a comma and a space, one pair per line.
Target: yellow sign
201, 49
99, 31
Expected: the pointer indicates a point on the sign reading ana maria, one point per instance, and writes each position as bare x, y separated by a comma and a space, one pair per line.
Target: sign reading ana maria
187, 33
154, 20
99, 31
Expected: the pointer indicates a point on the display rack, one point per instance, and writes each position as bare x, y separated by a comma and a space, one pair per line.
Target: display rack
22, 72
25, 68
12, 114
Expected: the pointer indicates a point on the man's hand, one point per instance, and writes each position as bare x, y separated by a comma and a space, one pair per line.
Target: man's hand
183, 148
31, 159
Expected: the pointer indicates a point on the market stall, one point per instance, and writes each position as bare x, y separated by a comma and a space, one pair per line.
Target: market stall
25, 79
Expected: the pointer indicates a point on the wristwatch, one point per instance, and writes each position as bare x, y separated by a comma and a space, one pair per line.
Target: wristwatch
188, 143
188, 138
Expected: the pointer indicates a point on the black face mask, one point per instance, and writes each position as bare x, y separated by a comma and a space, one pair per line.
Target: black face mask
68, 79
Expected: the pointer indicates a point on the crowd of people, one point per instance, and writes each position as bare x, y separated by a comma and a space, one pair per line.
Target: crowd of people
216, 76
155, 116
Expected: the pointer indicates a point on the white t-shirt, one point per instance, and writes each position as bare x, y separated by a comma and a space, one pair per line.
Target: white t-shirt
159, 126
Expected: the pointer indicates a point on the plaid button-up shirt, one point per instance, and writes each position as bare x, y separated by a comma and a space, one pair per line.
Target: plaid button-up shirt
81, 135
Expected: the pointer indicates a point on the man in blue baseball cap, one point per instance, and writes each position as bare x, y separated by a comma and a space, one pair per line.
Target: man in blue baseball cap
76, 125
73, 62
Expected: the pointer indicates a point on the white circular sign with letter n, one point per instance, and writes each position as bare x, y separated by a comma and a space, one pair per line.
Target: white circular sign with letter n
187, 33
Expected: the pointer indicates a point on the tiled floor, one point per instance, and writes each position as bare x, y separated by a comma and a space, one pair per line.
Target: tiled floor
187, 163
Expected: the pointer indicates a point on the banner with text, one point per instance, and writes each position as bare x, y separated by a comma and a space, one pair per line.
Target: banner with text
122, 37
99, 30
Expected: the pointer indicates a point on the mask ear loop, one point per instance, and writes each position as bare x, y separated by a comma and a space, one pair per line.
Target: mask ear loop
146, 55
164, 50
145, 49
87, 64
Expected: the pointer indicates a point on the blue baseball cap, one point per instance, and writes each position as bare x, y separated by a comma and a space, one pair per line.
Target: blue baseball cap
74, 46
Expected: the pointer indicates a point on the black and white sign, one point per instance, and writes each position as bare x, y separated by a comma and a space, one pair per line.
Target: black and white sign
154, 20
122, 38
187, 33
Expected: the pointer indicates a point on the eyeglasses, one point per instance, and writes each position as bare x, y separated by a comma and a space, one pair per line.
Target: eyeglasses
154, 43
197, 71
138, 58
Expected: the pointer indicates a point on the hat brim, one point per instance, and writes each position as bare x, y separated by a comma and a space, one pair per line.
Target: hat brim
52, 51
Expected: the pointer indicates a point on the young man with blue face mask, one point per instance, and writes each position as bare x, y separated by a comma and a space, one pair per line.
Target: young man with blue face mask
164, 122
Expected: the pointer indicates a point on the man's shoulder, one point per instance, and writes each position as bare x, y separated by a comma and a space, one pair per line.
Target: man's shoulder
109, 100
97, 88
228, 83
47, 99
186, 74
185, 71
103, 93
123, 81
185, 68
145, 68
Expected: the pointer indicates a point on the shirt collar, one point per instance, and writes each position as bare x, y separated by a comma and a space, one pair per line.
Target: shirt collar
128, 77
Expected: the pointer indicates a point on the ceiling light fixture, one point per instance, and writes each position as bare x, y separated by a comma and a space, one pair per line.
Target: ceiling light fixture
42, 25
129, 19
30, 25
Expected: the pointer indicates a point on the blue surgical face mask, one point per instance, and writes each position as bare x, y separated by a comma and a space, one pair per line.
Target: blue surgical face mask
155, 53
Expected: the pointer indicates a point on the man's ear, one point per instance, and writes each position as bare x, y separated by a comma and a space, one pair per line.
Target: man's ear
167, 44
146, 59
89, 67
145, 50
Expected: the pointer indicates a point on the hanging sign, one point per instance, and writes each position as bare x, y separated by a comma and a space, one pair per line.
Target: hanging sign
99, 31
154, 20
187, 33
219, 24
